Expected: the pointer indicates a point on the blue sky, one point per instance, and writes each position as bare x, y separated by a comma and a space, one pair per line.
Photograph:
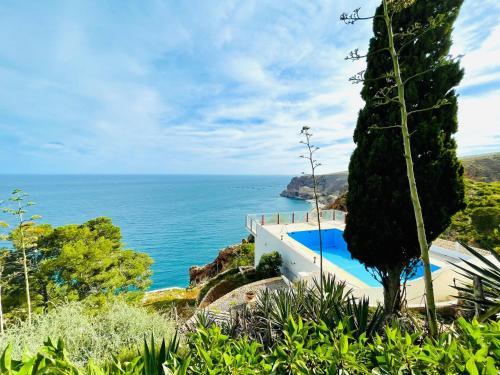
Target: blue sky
218, 87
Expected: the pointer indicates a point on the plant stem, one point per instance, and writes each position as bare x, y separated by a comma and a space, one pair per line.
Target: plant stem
422, 240
1, 307
25, 264
315, 190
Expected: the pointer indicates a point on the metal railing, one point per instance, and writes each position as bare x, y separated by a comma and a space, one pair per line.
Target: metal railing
252, 220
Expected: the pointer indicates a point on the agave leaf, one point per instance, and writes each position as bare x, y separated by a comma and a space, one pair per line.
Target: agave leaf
489, 313
481, 257
483, 271
489, 274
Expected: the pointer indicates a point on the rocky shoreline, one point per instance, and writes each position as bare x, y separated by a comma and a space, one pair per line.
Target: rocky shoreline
225, 257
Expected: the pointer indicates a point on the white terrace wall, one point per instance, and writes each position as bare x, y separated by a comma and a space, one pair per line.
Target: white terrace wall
294, 263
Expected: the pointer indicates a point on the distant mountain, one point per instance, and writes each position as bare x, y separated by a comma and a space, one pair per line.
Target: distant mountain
484, 168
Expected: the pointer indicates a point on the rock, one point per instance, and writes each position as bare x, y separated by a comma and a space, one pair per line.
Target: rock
329, 185
339, 203
198, 274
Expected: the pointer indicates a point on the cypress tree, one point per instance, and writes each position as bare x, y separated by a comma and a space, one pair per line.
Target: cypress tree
380, 225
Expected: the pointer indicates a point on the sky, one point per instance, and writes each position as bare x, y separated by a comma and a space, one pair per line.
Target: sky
205, 87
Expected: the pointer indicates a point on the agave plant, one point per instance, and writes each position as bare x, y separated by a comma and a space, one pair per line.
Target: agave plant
360, 319
153, 360
327, 304
483, 287
333, 305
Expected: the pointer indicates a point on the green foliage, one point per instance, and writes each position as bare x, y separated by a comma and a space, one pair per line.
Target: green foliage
244, 256
269, 265
88, 334
380, 225
487, 272
54, 359
479, 223
468, 348
305, 348
76, 262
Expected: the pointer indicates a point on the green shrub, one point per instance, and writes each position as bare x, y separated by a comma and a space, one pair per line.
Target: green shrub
478, 224
306, 347
117, 327
486, 219
269, 264
244, 256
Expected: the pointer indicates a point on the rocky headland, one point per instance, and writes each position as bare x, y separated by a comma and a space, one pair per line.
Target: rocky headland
330, 186
485, 168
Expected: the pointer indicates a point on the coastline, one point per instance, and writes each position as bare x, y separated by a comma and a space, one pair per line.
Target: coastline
164, 289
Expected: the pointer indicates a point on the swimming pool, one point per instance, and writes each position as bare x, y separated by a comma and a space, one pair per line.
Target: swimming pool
335, 250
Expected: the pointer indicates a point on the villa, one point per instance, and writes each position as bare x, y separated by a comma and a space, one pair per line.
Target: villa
295, 236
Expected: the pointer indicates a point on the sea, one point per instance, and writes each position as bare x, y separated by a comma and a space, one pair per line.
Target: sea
179, 220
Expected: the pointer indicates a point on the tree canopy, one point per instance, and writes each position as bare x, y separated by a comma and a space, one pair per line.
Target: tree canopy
380, 225
80, 261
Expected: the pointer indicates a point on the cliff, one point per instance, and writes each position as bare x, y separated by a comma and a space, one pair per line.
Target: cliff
485, 168
230, 257
329, 186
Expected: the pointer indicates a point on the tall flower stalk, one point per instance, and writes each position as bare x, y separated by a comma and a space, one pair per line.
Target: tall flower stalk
417, 208
313, 163
20, 238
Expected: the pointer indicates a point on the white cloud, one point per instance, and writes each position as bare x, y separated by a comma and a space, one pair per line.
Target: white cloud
479, 119
221, 88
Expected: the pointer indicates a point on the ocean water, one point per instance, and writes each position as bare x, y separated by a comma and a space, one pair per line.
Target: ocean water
179, 221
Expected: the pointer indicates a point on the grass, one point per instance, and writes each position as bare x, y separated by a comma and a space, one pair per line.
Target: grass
181, 300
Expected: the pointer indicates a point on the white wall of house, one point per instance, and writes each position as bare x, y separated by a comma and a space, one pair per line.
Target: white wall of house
294, 262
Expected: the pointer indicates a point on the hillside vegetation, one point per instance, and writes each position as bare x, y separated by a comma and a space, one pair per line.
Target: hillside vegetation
479, 223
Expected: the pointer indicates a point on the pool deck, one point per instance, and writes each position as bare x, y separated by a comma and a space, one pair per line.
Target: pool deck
302, 263
281, 231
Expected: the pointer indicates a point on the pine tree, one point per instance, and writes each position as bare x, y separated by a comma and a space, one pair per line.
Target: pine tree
381, 224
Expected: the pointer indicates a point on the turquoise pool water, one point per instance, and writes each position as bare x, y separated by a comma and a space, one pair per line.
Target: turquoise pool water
335, 250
